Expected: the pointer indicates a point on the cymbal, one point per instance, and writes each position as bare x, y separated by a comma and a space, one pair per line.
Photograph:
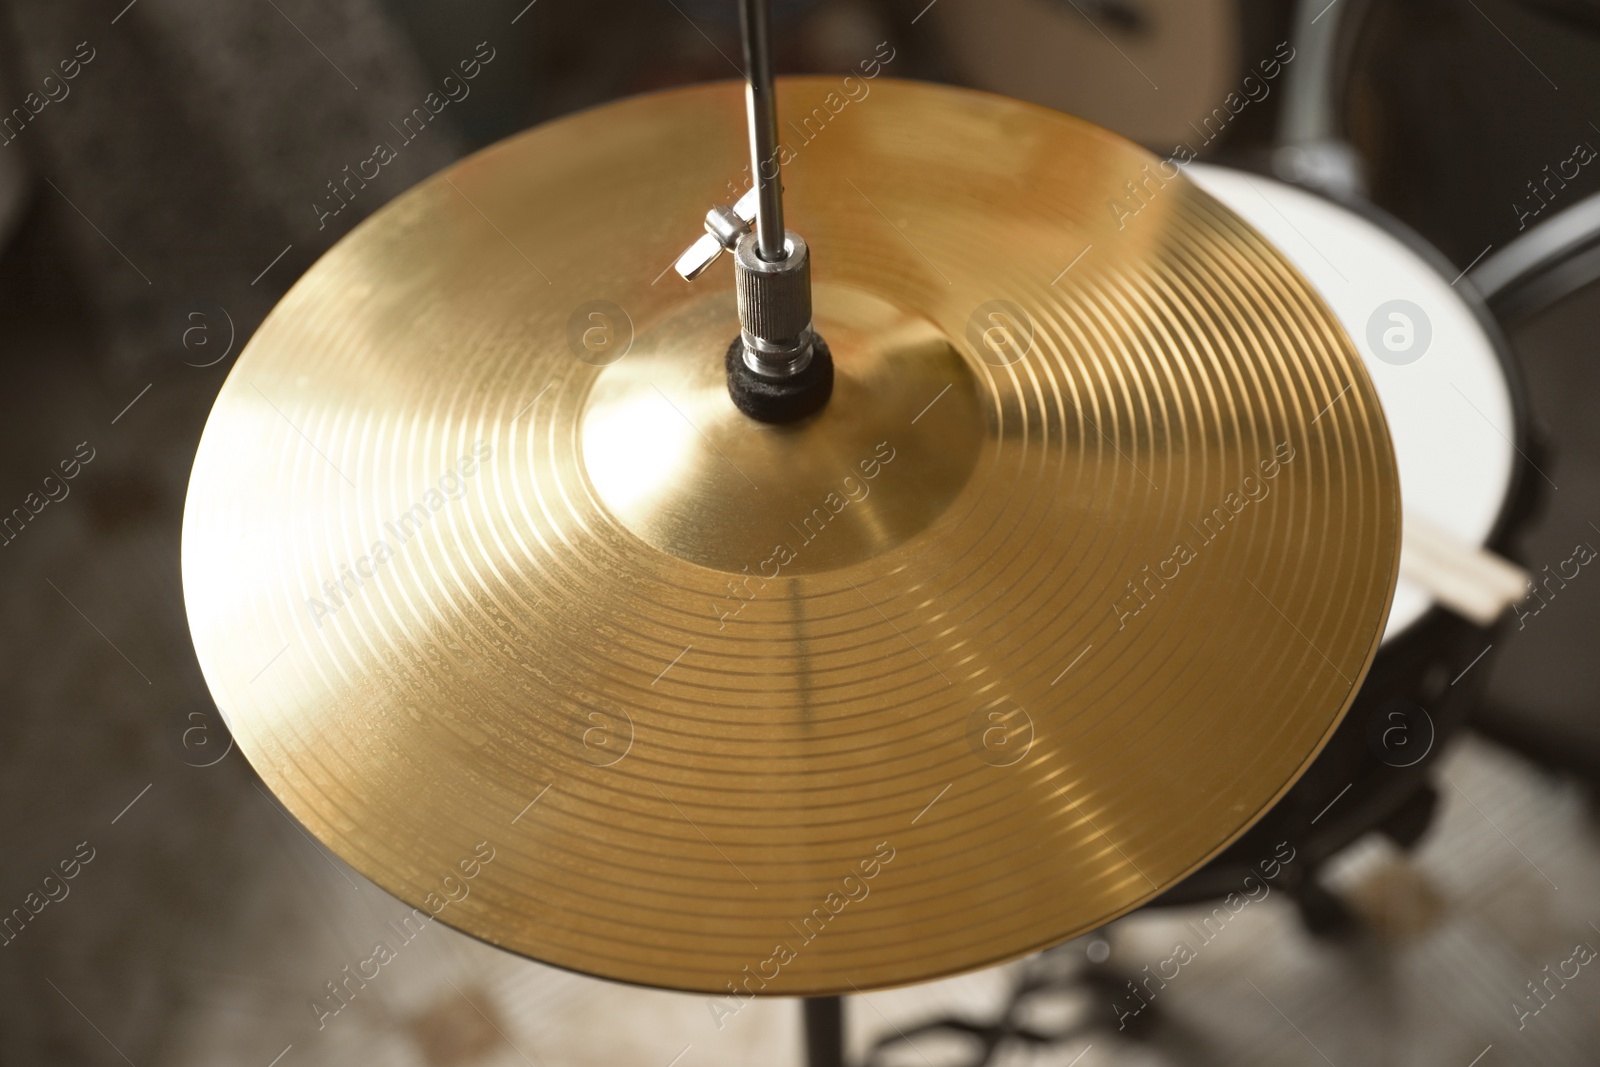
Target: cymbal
1074, 575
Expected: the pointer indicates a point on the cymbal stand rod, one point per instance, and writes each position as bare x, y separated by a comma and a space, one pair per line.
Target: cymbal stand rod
772, 267
778, 369
761, 107
824, 1026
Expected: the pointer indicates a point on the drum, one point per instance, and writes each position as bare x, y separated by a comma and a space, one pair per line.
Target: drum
1458, 418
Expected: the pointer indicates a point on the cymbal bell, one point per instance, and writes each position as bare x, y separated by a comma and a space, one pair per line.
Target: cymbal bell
1074, 575
672, 462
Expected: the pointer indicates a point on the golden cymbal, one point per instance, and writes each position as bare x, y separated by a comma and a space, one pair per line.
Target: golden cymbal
1071, 579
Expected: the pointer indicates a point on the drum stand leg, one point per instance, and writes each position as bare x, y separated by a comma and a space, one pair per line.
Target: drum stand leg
824, 1018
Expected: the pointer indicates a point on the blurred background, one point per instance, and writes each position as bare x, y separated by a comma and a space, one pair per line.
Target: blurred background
166, 169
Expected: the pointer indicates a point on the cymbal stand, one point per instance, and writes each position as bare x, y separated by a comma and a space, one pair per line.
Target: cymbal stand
778, 369
824, 1026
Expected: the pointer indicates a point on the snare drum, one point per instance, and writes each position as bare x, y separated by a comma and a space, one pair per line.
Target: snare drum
1458, 420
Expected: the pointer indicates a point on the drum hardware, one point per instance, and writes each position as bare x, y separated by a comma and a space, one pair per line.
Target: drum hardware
778, 369
1554, 258
1044, 1011
1311, 150
824, 1031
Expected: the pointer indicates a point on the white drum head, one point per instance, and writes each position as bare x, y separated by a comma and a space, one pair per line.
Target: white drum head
1438, 376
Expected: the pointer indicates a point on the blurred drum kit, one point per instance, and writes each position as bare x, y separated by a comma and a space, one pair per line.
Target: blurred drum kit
983, 564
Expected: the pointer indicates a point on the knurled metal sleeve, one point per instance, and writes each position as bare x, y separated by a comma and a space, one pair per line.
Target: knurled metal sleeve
774, 298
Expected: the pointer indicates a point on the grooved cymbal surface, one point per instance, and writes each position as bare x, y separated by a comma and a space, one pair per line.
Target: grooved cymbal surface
518, 615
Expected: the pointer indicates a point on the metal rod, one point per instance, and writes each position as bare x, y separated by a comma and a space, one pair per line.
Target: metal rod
824, 1031
761, 105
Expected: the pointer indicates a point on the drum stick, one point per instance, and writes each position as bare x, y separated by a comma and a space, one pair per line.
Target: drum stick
1464, 577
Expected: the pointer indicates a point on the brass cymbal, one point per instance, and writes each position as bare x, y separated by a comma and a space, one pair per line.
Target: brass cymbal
1072, 578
